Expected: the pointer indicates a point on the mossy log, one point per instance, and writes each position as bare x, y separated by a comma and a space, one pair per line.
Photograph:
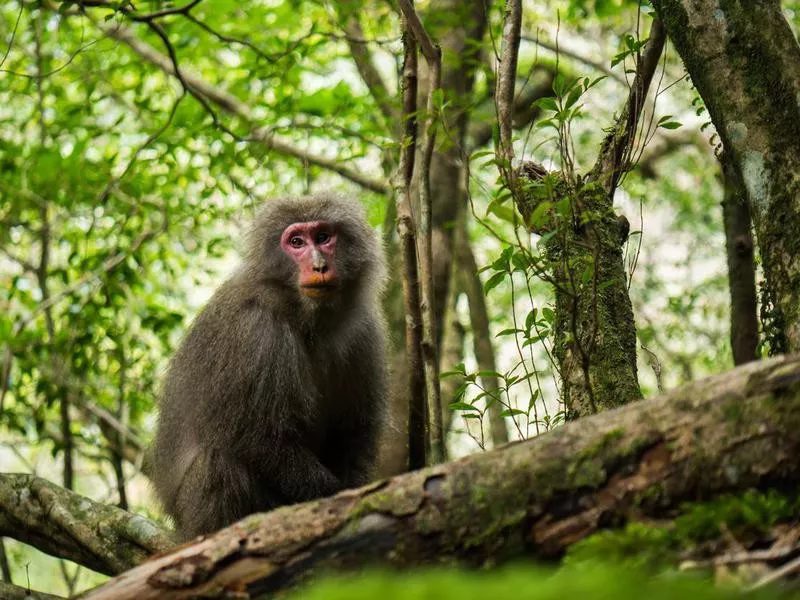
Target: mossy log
730, 432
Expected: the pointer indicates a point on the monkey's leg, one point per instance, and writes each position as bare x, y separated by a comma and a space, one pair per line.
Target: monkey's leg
297, 474
351, 454
216, 491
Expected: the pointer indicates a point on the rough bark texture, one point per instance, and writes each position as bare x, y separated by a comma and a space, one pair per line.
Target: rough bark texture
594, 330
64, 524
741, 267
745, 62
729, 432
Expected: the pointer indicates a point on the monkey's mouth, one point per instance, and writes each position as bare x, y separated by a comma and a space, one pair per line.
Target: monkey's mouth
319, 290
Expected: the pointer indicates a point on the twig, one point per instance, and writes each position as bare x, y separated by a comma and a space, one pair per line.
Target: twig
614, 159
369, 74
230, 104
558, 48
738, 558
792, 566
108, 265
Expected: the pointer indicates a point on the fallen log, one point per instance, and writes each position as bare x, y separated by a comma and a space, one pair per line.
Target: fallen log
729, 432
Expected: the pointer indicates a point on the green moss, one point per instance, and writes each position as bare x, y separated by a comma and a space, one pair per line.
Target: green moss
651, 496
733, 412
746, 515
749, 513
637, 545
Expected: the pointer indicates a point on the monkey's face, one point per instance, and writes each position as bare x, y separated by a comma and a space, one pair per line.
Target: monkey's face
312, 247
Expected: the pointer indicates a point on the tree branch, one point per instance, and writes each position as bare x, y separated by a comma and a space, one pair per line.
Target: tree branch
506, 77
406, 229
372, 78
733, 431
481, 335
615, 155
560, 50
433, 56
232, 105
740, 250
67, 525
540, 86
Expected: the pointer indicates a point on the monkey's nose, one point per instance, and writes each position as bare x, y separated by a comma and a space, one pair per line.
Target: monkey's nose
321, 268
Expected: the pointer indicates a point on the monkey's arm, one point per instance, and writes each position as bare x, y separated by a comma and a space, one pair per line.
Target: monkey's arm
275, 430
352, 447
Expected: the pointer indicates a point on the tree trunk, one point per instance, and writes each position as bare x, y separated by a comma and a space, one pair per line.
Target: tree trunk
745, 62
741, 267
534, 498
481, 334
460, 50
593, 329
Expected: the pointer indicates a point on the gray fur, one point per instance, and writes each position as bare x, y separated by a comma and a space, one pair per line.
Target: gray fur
274, 398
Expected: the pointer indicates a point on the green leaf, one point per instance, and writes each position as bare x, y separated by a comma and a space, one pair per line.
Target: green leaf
510, 331
512, 412
533, 399
493, 282
573, 97
463, 406
547, 103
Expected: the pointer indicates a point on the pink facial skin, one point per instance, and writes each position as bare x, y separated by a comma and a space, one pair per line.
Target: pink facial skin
312, 246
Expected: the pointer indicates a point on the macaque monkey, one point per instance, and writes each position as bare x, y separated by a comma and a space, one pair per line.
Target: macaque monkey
276, 395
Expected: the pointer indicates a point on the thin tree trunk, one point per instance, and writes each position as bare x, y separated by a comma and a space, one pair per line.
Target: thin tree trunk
452, 352
481, 334
741, 266
460, 36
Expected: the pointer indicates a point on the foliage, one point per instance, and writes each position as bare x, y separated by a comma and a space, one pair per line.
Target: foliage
597, 580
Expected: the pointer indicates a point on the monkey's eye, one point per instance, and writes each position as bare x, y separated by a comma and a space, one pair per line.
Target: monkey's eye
296, 241
322, 237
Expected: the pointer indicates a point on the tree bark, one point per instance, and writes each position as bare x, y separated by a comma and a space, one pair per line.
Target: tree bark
745, 62
481, 334
730, 432
741, 267
67, 525
9, 591
594, 329
460, 50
